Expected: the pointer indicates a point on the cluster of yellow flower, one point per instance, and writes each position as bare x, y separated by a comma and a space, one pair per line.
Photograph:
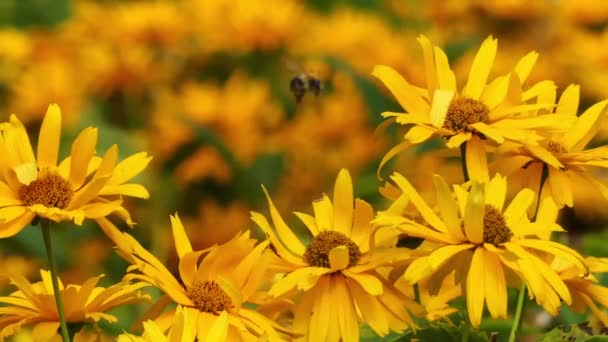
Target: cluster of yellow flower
345, 267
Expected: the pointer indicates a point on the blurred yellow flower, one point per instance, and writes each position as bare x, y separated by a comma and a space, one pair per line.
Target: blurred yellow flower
481, 110
34, 304
337, 270
79, 187
562, 152
212, 290
486, 246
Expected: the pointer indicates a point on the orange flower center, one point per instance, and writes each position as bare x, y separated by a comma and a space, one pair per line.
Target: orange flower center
51, 190
208, 296
555, 147
495, 229
317, 253
464, 111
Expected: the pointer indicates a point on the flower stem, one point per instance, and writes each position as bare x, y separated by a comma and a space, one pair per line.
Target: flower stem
46, 233
522, 292
518, 312
463, 160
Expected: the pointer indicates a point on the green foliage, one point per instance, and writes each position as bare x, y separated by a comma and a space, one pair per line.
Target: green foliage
445, 332
574, 333
34, 13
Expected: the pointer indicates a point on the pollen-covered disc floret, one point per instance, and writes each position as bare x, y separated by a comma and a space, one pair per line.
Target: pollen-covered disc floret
50, 190
555, 147
464, 111
208, 296
317, 253
495, 229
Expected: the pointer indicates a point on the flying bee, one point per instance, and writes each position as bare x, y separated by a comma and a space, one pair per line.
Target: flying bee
303, 82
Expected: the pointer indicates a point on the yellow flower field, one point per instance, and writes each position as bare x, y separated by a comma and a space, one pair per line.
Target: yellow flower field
213, 170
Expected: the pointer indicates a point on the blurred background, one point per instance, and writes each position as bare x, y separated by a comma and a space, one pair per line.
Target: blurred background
204, 87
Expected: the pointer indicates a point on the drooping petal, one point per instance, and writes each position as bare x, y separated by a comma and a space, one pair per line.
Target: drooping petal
475, 287
401, 90
495, 286
476, 160
442, 98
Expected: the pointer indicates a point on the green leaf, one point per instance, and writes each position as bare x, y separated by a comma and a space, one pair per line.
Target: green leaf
266, 169
574, 333
444, 332
38, 13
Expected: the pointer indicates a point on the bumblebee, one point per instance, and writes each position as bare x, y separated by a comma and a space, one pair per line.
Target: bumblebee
304, 82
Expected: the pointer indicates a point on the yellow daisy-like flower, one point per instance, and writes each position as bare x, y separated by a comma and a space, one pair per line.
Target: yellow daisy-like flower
586, 290
337, 270
81, 186
482, 109
183, 329
562, 152
34, 304
213, 283
485, 246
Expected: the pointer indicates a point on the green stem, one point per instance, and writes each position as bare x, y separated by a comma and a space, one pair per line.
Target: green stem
467, 324
46, 233
518, 313
463, 160
522, 292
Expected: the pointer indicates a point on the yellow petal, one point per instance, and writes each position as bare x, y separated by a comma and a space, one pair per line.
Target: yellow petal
568, 102
525, 64
418, 134
338, 258
13, 227
48, 140
343, 203
83, 150
395, 150
283, 231
517, 210
476, 160
443, 254
429, 64
560, 182
445, 75
131, 190
18, 143
303, 279
489, 131
442, 98
370, 283
480, 69
130, 167
26, 173
474, 213
585, 127
495, 286
448, 208
348, 320
371, 309
219, 329
401, 90
458, 139
324, 212
321, 317
182, 243
425, 210
475, 287
496, 92
496, 191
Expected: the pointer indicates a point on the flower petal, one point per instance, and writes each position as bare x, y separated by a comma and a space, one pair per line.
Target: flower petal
343, 203
401, 90
48, 140
475, 287
83, 150
476, 160
474, 213
480, 69
442, 98
338, 258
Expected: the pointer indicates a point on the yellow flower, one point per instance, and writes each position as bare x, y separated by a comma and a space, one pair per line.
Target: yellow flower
487, 247
337, 270
81, 186
585, 290
183, 329
482, 109
34, 304
212, 290
562, 152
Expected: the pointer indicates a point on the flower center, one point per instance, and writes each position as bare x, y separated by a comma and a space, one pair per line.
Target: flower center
555, 147
317, 253
51, 190
495, 230
208, 296
464, 111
